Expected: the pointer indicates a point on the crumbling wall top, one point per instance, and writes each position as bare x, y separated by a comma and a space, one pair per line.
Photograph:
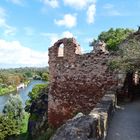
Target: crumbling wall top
100, 46
70, 48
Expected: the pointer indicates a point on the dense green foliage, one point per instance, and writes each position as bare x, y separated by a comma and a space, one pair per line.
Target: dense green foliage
24, 123
14, 120
13, 108
6, 89
129, 57
8, 127
34, 95
113, 37
11, 78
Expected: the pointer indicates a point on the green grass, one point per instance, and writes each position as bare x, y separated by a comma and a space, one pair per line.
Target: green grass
25, 123
6, 90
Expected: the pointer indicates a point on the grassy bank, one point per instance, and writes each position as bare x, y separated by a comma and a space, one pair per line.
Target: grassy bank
7, 90
25, 123
10, 89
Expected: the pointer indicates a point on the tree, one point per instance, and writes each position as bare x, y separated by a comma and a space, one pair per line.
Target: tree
113, 37
13, 80
127, 58
8, 127
11, 120
13, 108
45, 76
28, 74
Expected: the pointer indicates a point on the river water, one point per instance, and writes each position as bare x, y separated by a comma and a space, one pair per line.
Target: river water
22, 92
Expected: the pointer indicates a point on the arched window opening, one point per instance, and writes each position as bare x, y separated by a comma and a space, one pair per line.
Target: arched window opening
78, 50
61, 50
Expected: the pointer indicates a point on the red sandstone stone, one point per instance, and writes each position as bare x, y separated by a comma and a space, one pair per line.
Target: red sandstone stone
77, 82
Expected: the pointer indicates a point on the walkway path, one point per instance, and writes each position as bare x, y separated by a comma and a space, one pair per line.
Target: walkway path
125, 124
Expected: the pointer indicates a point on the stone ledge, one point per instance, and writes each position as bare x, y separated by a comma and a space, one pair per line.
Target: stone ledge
103, 112
89, 127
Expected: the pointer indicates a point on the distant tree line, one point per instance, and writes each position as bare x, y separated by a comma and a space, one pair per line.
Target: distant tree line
11, 78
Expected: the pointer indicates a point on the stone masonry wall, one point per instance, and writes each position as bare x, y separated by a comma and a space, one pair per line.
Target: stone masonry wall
77, 82
93, 126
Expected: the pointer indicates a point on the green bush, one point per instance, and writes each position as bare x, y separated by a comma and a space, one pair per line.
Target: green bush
8, 127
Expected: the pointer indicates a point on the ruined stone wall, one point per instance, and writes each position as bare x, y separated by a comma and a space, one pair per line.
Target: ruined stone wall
77, 82
93, 126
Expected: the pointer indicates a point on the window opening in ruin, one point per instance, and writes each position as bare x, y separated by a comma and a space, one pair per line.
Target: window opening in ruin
78, 50
61, 50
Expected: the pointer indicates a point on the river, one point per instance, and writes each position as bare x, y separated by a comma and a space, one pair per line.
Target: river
22, 92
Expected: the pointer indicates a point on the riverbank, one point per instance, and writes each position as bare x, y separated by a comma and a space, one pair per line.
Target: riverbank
23, 93
11, 89
7, 90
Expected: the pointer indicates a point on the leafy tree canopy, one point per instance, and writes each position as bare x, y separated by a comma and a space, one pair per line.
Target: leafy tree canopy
13, 108
34, 94
11, 120
113, 37
8, 127
129, 56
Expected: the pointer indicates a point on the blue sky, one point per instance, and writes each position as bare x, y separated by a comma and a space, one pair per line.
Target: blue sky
29, 27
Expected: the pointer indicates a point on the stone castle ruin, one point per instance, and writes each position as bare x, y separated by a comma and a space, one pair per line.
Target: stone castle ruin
100, 46
77, 81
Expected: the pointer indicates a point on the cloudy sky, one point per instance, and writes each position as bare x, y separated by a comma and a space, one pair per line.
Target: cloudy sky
29, 27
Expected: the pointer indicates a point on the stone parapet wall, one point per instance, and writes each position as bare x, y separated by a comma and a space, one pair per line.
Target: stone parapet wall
89, 127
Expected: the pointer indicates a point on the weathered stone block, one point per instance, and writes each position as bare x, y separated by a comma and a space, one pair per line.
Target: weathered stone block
81, 128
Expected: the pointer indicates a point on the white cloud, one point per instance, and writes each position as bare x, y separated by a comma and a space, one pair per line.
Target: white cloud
68, 21
78, 4
89, 5
111, 10
53, 37
67, 34
13, 53
91, 13
18, 2
8, 30
52, 3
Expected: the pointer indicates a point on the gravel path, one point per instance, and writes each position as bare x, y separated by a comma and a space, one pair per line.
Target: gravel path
125, 124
